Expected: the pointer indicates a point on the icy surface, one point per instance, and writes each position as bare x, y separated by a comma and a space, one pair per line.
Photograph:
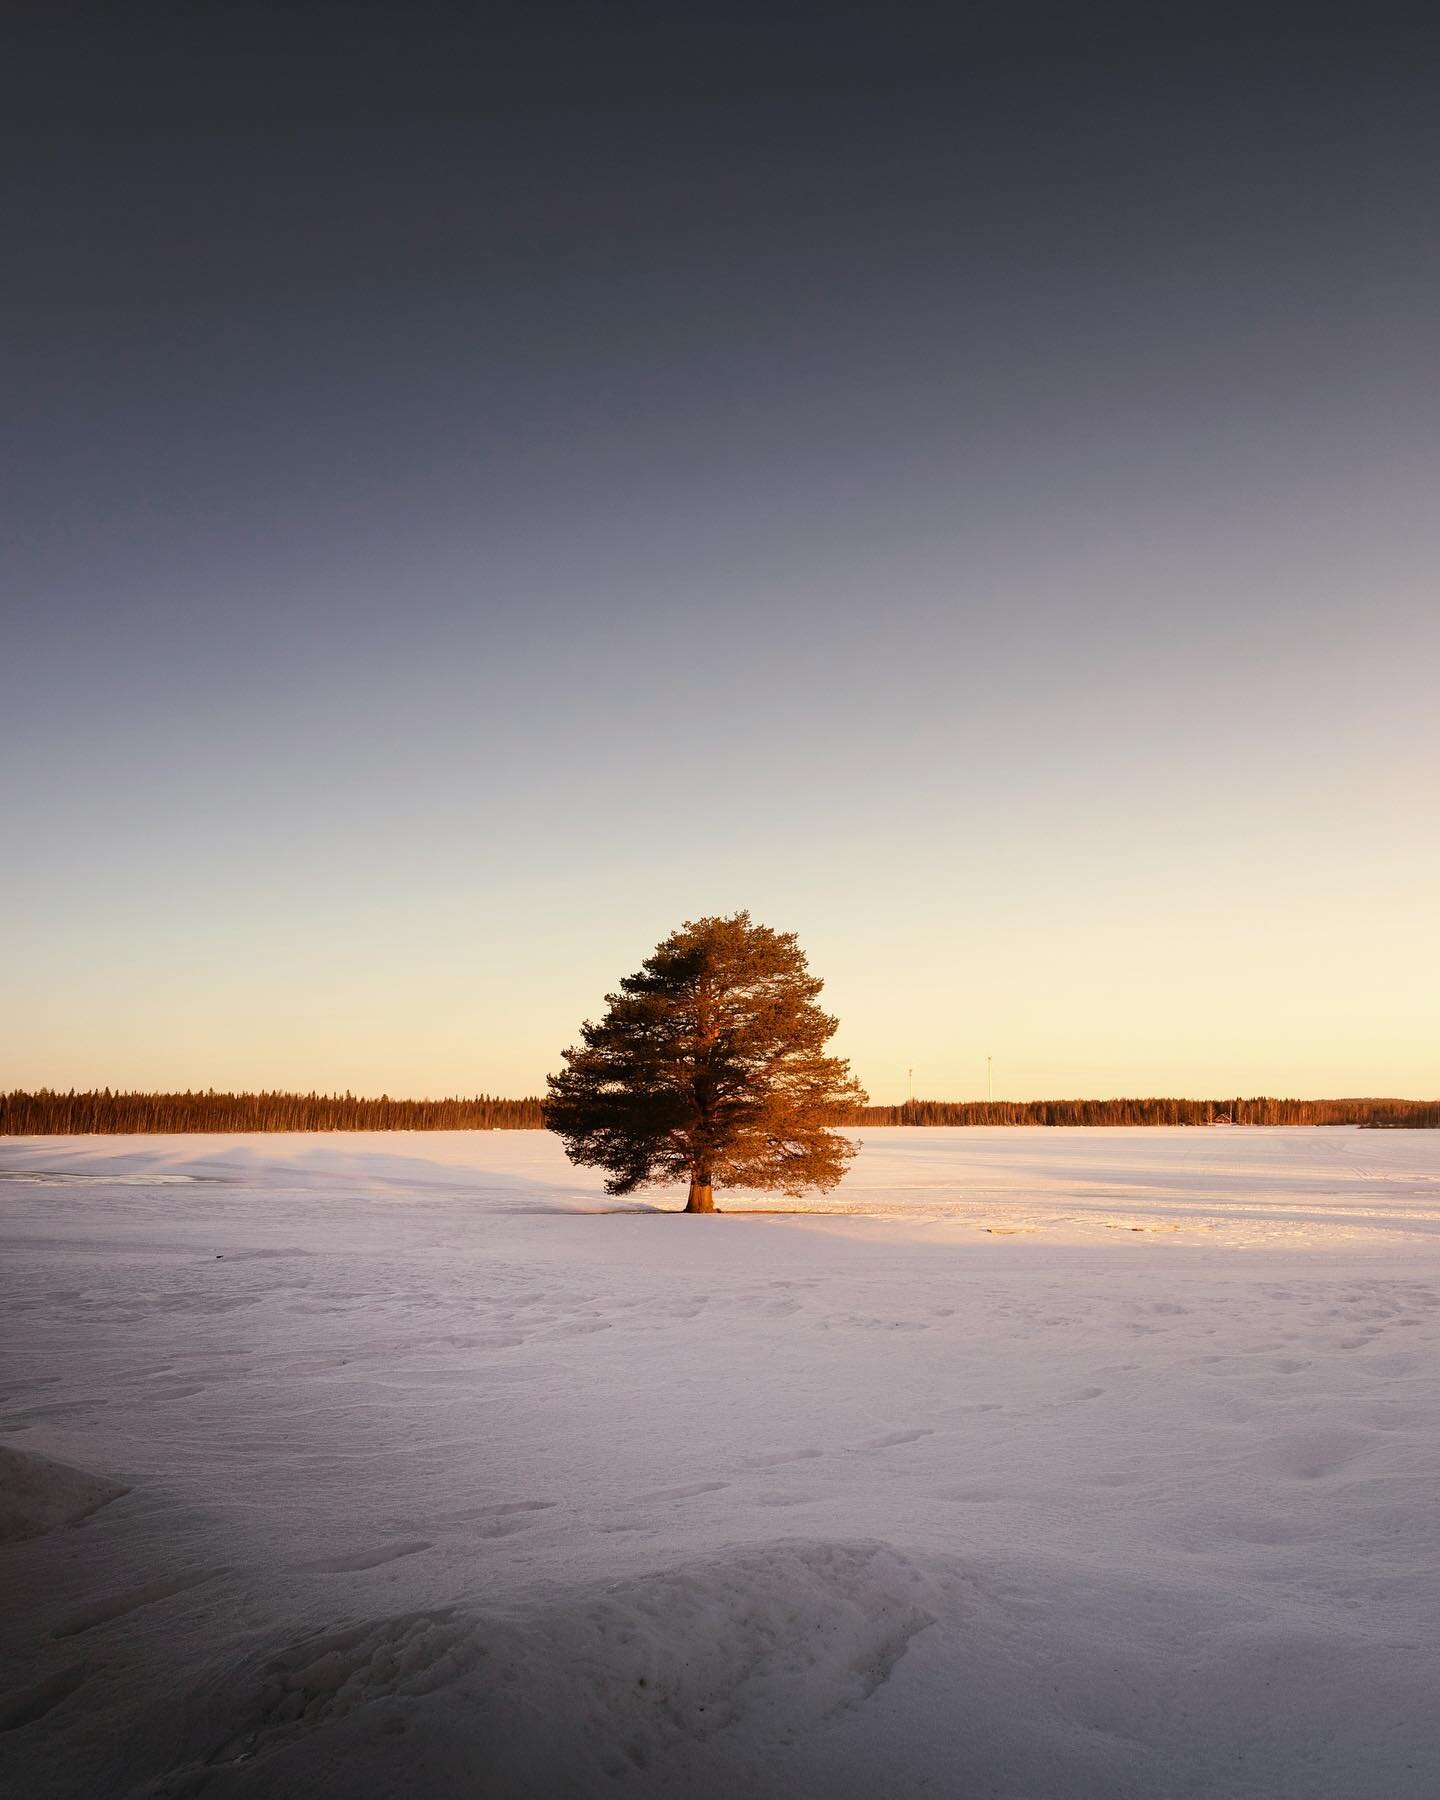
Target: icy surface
1042, 1465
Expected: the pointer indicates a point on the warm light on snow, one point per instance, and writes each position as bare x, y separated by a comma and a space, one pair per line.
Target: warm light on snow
1082, 1464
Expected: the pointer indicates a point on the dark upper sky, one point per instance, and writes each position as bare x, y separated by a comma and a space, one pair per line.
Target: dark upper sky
397, 273
396, 393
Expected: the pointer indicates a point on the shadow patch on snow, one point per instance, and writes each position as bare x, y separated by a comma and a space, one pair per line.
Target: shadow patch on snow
26, 1705
603, 1684
109, 1607
802, 1668
39, 1495
85, 1178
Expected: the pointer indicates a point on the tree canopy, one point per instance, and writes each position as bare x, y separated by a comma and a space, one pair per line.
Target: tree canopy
709, 1065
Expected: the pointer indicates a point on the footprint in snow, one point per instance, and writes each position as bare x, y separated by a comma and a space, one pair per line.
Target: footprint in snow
892, 1439
782, 1456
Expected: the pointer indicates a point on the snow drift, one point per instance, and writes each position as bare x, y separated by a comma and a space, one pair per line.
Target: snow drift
38, 1495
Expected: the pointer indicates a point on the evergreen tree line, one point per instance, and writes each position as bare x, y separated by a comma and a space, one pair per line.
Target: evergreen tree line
1261, 1109
49, 1113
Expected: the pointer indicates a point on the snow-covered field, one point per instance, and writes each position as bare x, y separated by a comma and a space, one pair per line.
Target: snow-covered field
1041, 1465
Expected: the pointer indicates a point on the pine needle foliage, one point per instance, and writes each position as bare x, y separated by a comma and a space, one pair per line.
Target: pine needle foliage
710, 1066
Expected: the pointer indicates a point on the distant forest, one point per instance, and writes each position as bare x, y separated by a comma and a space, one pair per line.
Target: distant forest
1261, 1109
47, 1113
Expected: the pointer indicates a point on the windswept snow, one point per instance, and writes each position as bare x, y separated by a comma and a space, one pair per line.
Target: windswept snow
38, 1495
1043, 1465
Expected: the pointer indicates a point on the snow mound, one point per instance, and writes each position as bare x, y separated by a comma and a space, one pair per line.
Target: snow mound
610, 1683
38, 1495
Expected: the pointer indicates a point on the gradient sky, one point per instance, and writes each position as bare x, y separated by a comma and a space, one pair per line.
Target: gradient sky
478, 494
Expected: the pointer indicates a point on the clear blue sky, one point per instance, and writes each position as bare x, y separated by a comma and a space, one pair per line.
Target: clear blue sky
466, 516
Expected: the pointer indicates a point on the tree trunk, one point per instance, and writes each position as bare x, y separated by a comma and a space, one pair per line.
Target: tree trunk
702, 1193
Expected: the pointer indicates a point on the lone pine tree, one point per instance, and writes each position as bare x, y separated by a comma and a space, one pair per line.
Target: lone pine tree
710, 1066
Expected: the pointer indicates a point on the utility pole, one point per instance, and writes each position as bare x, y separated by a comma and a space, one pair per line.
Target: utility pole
989, 1080
910, 1087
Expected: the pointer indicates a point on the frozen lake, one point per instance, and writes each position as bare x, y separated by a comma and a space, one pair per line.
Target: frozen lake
1037, 1464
